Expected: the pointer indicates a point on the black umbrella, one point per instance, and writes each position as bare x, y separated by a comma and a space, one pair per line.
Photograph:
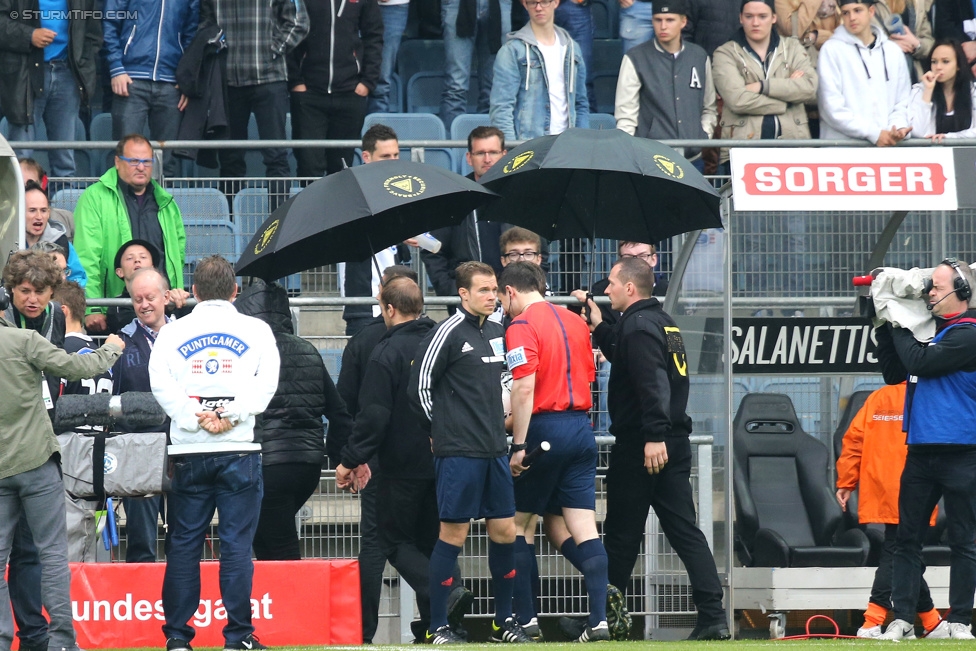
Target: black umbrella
354, 213
587, 183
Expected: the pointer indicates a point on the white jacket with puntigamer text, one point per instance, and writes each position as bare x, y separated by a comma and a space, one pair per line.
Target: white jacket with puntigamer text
214, 357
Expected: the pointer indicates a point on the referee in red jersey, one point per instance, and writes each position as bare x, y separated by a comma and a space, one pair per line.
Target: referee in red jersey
551, 361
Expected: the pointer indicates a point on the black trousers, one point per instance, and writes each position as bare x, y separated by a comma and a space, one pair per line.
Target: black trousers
881, 588
409, 527
287, 486
269, 103
326, 116
631, 491
372, 560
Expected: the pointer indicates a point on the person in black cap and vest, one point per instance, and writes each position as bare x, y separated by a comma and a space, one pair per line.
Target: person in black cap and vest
665, 89
864, 86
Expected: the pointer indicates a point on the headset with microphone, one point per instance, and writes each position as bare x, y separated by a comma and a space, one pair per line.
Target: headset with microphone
960, 286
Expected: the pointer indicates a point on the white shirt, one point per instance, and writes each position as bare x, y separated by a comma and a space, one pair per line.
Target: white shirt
213, 357
554, 57
385, 258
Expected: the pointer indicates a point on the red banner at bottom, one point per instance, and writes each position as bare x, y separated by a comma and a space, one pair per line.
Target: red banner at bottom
313, 602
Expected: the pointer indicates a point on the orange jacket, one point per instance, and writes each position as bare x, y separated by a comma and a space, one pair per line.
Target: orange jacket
873, 455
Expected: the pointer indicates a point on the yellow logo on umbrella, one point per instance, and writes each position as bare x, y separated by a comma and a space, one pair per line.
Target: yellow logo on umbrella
266, 237
518, 161
668, 166
405, 186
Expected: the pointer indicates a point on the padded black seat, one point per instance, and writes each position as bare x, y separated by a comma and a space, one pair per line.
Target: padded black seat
786, 514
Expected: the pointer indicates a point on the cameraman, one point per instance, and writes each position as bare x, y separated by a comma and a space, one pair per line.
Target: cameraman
30, 471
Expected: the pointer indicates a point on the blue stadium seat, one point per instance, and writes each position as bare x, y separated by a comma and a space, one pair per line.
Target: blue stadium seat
420, 55
605, 87
101, 129
205, 237
607, 53
460, 128
66, 198
201, 204
424, 90
396, 93
416, 126
602, 121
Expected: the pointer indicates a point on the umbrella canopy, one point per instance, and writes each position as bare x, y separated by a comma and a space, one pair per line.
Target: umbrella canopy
351, 215
600, 183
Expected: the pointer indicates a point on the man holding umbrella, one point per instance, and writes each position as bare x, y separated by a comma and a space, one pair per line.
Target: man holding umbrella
650, 463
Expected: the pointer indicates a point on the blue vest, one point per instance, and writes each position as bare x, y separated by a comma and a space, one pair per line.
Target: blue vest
935, 397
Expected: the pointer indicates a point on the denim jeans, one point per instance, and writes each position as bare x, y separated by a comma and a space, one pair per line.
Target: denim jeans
458, 54
577, 19
24, 583
58, 107
232, 485
635, 24
157, 102
394, 24
927, 477
141, 528
39, 493
269, 103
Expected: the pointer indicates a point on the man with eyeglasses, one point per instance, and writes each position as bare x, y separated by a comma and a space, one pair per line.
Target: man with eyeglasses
126, 204
472, 239
539, 86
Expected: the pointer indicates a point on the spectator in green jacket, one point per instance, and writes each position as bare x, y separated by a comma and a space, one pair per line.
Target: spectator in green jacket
118, 208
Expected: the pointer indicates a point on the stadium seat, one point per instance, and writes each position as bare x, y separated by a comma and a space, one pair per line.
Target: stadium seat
66, 198
396, 93
424, 92
460, 128
786, 514
605, 88
416, 126
201, 203
205, 237
607, 53
101, 129
420, 55
602, 121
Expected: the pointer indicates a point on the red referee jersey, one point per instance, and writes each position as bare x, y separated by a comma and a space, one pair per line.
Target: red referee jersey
553, 343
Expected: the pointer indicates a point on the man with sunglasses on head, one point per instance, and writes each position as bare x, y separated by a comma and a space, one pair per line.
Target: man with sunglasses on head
126, 204
539, 87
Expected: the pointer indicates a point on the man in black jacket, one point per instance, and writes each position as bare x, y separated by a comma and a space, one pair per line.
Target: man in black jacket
457, 372
48, 70
650, 463
406, 495
331, 74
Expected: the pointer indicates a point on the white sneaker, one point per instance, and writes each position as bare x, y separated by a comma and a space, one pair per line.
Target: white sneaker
898, 630
940, 632
960, 631
869, 632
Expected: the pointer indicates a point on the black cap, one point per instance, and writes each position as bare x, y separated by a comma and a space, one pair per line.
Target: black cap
841, 3
670, 7
769, 3
153, 252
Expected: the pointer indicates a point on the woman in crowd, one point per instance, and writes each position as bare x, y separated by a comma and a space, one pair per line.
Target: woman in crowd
941, 105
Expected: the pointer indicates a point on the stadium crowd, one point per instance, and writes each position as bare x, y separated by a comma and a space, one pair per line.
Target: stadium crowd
875, 70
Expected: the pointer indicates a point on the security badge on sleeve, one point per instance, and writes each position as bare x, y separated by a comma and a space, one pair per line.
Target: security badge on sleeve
676, 346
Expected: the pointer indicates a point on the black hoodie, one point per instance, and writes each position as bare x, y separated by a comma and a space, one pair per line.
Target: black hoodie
385, 424
291, 427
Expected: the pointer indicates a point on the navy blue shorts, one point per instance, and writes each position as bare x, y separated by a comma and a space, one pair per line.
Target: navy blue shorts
564, 477
469, 489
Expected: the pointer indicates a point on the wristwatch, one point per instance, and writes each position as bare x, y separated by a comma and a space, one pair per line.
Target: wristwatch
517, 447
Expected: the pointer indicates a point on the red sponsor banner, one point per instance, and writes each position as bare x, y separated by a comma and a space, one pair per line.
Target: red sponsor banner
843, 179
293, 603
